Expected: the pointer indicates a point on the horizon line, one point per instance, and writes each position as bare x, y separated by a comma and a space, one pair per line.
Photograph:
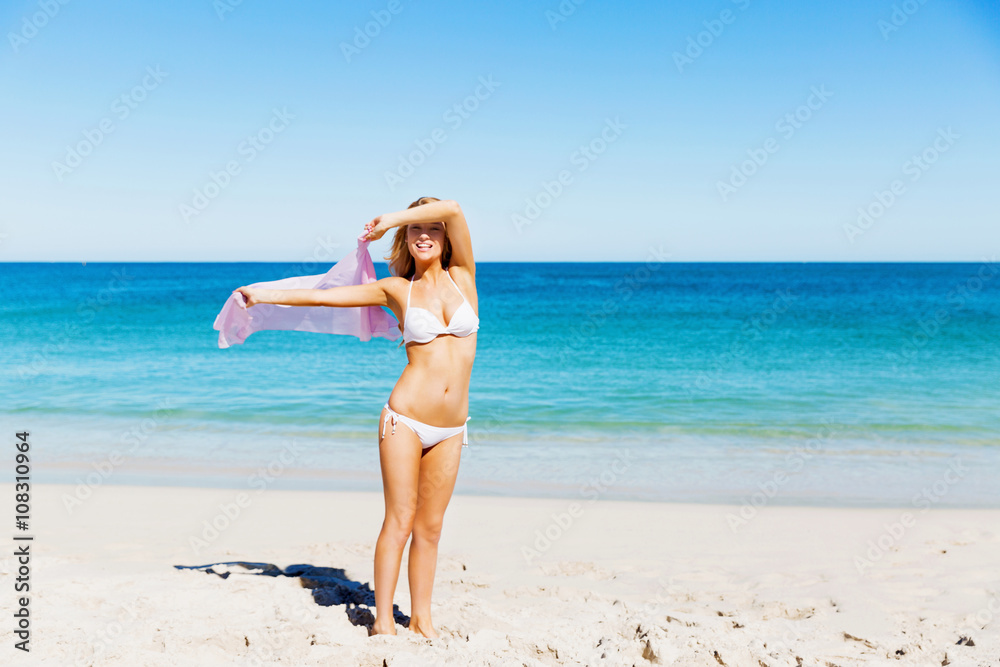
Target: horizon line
614, 261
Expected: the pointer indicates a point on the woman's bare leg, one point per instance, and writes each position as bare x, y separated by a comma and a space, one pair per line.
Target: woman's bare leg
438, 471
399, 455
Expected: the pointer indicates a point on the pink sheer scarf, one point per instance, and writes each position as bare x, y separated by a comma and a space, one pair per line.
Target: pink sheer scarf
235, 323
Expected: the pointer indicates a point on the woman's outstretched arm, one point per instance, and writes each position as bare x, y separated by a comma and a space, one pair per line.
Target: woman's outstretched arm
447, 211
371, 294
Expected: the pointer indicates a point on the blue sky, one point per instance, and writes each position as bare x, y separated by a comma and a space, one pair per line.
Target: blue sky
578, 136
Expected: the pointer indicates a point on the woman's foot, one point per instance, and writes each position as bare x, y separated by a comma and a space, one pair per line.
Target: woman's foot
382, 628
423, 628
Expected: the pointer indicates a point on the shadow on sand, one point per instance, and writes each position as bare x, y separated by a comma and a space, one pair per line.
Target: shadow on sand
330, 586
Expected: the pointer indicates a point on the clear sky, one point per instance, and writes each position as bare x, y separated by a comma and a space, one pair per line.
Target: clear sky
723, 130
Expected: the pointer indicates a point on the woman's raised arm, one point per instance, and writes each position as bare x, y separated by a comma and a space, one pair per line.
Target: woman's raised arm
346, 296
447, 211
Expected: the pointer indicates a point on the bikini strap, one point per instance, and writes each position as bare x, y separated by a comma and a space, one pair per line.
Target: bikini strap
456, 286
389, 414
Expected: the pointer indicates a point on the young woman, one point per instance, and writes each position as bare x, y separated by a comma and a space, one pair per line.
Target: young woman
432, 292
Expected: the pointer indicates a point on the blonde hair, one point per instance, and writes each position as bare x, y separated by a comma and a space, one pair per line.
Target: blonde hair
400, 260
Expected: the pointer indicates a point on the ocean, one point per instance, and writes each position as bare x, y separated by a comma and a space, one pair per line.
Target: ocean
849, 384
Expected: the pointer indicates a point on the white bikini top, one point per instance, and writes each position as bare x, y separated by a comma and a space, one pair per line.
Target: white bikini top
421, 325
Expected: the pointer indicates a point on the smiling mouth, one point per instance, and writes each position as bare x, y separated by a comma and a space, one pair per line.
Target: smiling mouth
424, 246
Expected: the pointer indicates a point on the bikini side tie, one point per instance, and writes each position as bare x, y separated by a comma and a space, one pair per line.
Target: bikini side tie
387, 416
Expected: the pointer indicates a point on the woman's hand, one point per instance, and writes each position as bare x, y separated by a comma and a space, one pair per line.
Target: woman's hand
375, 229
252, 295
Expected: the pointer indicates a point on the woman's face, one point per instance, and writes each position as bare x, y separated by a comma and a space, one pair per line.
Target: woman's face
425, 240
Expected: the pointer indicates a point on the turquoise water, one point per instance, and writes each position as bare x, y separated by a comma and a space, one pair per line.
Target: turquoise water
854, 384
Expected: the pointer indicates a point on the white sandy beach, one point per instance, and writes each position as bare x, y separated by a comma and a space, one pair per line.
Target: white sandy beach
621, 583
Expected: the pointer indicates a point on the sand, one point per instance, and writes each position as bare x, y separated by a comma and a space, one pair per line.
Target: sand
520, 581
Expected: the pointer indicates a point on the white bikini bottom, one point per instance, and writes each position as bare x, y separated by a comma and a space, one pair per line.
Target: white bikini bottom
427, 434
